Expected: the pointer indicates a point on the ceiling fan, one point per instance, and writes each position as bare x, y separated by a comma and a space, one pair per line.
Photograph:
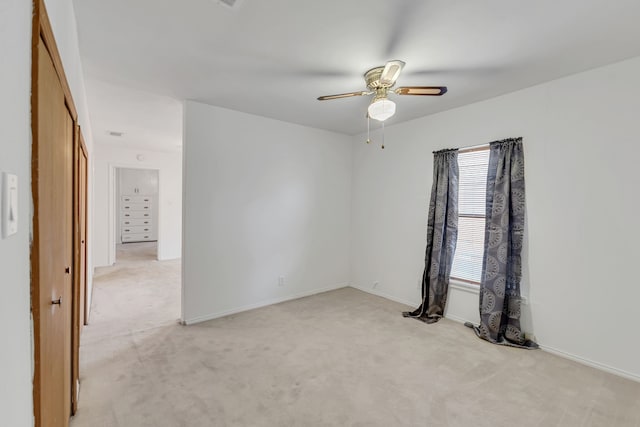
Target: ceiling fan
379, 81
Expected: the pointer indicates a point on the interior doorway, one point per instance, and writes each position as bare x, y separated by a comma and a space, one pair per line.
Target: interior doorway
134, 209
139, 289
136, 197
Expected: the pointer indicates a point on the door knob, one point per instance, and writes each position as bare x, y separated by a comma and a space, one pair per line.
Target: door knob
67, 270
57, 301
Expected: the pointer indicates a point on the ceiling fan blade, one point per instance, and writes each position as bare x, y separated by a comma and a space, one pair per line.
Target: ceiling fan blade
422, 90
342, 95
391, 72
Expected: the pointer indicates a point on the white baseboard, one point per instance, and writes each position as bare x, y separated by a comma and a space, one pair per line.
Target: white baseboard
386, 296
413, 305
264, 303
563, 354
170, 258
458, 319
591, 363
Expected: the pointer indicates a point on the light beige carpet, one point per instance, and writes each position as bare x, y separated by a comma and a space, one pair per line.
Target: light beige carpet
342, 358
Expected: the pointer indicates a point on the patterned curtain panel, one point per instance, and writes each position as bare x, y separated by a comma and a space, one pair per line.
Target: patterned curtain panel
504, 231
442, 235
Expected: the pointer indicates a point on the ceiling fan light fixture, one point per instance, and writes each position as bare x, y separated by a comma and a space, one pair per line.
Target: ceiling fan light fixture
379, 82
381, 109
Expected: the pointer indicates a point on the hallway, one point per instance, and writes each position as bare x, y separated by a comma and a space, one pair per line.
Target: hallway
135, 294
131, 300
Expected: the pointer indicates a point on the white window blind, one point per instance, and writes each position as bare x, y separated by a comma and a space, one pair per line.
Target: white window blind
467, 262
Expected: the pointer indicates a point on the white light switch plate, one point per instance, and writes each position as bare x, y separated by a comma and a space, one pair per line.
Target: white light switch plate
9, 204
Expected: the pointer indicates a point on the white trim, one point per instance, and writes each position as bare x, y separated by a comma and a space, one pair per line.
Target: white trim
475, 289
416, 303
260, 304
386, 296
458, 319
591, 363
111, 206
183, 212
466, 287
560, 353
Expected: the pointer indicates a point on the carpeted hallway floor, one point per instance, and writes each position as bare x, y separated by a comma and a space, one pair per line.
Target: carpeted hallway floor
342, 358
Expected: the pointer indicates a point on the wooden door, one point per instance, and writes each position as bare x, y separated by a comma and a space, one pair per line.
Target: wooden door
83, 169
80, 259
53, 245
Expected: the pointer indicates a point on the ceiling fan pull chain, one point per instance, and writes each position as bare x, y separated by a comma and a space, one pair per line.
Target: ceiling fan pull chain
368, 134
383, 135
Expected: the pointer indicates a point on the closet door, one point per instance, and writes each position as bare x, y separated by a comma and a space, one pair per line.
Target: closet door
83, 166
80, 259
128, 181
138, 182
148, 182
53, 243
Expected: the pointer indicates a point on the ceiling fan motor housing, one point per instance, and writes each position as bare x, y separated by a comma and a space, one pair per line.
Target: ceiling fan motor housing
372, 77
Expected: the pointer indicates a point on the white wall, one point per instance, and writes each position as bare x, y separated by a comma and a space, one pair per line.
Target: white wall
63, 21
263, 199
169, 165
581, 140
15, 141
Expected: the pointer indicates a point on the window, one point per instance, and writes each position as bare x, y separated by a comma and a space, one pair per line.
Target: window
467, 262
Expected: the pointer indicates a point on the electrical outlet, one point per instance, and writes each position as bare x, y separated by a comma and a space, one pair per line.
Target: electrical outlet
281, 281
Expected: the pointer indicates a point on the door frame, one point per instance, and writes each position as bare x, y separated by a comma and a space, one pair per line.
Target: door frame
112, 206
41, 29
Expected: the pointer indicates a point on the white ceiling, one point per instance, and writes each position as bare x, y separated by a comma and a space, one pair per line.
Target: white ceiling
274, 58
147, 121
